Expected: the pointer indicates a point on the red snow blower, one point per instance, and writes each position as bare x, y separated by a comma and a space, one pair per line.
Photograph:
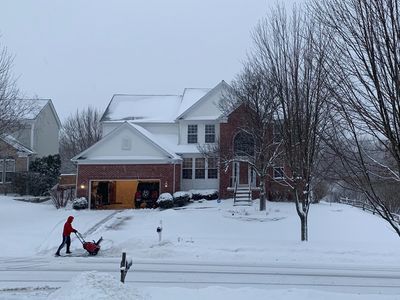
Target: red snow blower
91, 247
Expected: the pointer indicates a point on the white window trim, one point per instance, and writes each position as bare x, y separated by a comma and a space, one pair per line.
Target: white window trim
278, 177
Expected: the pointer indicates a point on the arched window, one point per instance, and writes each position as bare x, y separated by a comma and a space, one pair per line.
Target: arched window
243, 144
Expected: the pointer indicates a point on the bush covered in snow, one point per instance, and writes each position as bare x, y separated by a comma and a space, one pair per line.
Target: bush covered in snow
181, 198
204, 194
80, 203
165, 200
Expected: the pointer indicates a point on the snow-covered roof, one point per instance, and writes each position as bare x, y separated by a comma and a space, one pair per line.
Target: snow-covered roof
13, 142
142, 108
156, 140
167, 153
191, 96
152, 108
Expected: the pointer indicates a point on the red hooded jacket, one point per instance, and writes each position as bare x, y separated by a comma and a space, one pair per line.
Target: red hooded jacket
68, 229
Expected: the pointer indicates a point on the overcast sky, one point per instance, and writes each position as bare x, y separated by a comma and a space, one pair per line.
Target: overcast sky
80, 53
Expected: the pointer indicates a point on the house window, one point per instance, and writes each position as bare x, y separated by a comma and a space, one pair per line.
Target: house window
9, 169
200, 168
192, 134
212, 171
210, 133
126, 144
243, 144
187, 168
278, 173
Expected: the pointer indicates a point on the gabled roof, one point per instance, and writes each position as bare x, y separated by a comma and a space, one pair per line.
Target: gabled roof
220, 86
191, 96
13, 142
36, 106
156, 108
142, 108
135, 129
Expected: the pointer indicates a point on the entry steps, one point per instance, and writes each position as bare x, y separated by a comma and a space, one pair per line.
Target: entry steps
242, 195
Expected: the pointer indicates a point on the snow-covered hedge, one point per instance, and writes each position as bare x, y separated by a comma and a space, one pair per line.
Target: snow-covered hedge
181, 198
80, 203
165, 200
204, 194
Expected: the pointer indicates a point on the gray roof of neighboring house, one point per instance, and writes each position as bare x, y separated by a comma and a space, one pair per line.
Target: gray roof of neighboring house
16, 144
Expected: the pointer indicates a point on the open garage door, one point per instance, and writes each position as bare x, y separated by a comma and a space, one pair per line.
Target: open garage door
124, 194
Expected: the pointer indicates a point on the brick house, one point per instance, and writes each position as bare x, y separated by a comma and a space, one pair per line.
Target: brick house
150, 145
37, 137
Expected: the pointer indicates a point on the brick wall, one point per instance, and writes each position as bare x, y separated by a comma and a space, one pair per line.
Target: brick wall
228, 132
162, 172
21, 163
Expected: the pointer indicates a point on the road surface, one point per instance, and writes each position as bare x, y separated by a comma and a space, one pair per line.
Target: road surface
54, 272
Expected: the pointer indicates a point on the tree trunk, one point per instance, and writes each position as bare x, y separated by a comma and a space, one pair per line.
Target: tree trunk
304, 227
262, 194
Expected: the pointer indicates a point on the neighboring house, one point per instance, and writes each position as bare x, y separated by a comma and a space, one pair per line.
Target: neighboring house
38, 137
150, 145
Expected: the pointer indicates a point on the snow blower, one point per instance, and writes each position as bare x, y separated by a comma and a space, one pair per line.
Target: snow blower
91, 247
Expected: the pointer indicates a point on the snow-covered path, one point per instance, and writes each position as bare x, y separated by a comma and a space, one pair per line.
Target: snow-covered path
337, 278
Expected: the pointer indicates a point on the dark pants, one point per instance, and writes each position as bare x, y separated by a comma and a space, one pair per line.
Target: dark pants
66, 240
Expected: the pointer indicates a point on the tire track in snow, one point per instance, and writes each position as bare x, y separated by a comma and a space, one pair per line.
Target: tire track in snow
101, 222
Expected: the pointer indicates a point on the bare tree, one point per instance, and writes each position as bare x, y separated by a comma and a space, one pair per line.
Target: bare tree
367, 75
80, 131
295, 50
12, 111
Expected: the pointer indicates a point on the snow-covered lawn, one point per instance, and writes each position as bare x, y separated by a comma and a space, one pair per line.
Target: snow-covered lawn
208, 231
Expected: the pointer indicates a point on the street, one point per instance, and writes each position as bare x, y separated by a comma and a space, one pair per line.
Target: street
54, 272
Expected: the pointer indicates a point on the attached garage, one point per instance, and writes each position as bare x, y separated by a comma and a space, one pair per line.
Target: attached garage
121, 194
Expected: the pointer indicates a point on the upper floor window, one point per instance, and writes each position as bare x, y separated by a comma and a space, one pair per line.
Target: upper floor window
210, 133
192, 134
187, 168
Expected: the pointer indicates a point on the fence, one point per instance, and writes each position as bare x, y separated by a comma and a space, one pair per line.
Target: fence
365, 205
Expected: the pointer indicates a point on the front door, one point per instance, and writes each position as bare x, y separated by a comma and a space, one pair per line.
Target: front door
241, 172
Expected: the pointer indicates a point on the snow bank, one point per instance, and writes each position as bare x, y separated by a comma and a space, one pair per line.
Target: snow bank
94, 285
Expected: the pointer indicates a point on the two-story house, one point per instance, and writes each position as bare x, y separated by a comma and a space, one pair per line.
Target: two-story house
38, 137
150, 145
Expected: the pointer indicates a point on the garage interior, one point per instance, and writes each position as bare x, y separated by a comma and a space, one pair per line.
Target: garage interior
122, 194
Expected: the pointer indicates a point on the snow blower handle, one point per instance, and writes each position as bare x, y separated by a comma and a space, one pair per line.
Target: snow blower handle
79, 236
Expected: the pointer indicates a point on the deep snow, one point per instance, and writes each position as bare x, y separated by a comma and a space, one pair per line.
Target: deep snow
202, 231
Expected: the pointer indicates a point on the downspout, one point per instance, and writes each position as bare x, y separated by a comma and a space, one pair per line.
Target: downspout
173, 184
32, 134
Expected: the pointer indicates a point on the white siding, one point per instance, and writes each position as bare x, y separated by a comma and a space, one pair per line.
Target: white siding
208, 107
46, 133
136, 146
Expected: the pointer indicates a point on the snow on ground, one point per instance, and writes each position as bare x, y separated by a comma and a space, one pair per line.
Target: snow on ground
203, 231
93, 285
